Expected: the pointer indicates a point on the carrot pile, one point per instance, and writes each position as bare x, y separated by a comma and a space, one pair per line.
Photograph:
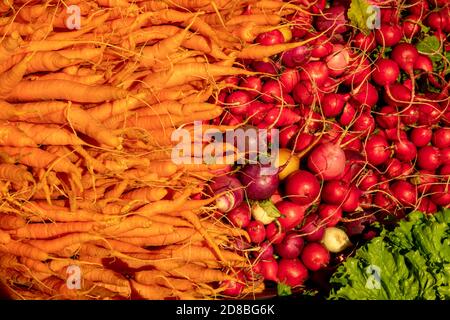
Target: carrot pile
86, 176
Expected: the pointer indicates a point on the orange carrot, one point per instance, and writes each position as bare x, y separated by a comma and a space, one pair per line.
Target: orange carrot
11, 222
60, 243
24, 250
50, 230
4, 237
146, 194
47, 61
258, 19
14, 137
127, 224
155, 230
199, 274
35, 265
179, 235
10, 79
164, 206
150, 292
155, 277
258, 52
49, 134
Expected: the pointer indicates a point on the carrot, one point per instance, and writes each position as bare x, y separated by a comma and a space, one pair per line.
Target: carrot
258, 19
109, 109
85, 54
179, 235
14, 137
11, 222
179, 75
164, 206
4, 237
51, 230
127, 224
174, 221
24, 250
49, 134
199, 274
35, 265
156, 229
146, 194
155, 277
60, 243
38, 158
10, 79
198, 253
258, 52
94, 79
8, 46
63, 90
151, 292
119, 246
47, 61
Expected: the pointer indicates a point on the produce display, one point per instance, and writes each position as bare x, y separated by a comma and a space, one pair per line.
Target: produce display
225, 149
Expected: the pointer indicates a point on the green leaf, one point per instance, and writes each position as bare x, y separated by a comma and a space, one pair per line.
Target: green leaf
283, 290
360, 15
429, 45
269, 208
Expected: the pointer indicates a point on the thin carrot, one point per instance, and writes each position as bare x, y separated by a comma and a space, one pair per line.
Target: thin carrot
179, 235
11, 222
164, 206
150, 292
199, 274
155, 277
60, 243
49, 134
258, 19
4, 237
35, 265
51, 230
24, 250
14, 137
10, 79
127, 224
146, 194
47, 61
257, 52
156, 229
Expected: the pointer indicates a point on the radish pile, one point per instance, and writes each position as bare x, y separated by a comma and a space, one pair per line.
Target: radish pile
363, 119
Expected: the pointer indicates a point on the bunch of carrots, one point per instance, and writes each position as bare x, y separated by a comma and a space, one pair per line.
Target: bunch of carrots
86, 176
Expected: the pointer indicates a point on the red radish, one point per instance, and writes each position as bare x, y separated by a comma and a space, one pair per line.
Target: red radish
269, 269
390, 14
302, 141
429, 113
304, 93
266, 251
368, 181
352, 142
338, 60
330, 214
366, 94
347, 115
441, 138
387, 117
440, 194
397, 95
393, 168
383, 202
358, 72
233, 80
287, 101
424, 63
301, 22
332, 20
327, 160
407, 169
445, 170
256, 111
232, 120
316, 72
315, 256
265, 67
405, 55
286, 135
410, 115
270, 38
253, 83
396, 134
424, 180
234, 287
274, 233
302, 187
445, 155
289, 78
240, 216
428, 158
351, 203
322, 47
411, 26
271, 91
365, 42
436, 20
292, 272
377, 150
312, 228
404, 192
332, 104
291, 246
296, 57
405, 150
231, 190
418, 7
334, 192
291, 214
237, 102
427, 206
279, 117
388, 35
256, 231
364, 123
421, 136
385, 72
258, 182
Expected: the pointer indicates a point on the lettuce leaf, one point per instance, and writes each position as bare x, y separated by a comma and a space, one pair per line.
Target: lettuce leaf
412, 262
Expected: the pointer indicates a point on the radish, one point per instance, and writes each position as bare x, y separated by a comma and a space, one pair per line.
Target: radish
322, 47
292, 272
427, 206
270, 38
429, 113
424, 180
335, 240
358, 72
262, 214
330, 214
265, 67
232, 190
296, 57
334, 192
316, 72
259, 184
428, 158
351, 202
385, 72
388, 35
290, 247
312, 228
338, 60
383, 202
327, 160
256, 231
274, 233
266, 251
291, 214
404, 192
387, 117
445, 155
411, 26
377, 150
304, 93
332, 20
347, 114
287, 134
393, 168
365, 42
405, 55
240, 216
369, 180
302, 187
441, 138
279, 117
256, 111
366, 94
364, 123
397, 95
289, 78
237, 102
314, 256
252, 83
405, 150
332, 104
440, 194
410, 115
234, 287
421, 136
396, 134
302, 141
269, 269
271, 91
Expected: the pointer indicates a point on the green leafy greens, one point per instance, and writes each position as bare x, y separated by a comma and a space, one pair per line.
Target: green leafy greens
408, 263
